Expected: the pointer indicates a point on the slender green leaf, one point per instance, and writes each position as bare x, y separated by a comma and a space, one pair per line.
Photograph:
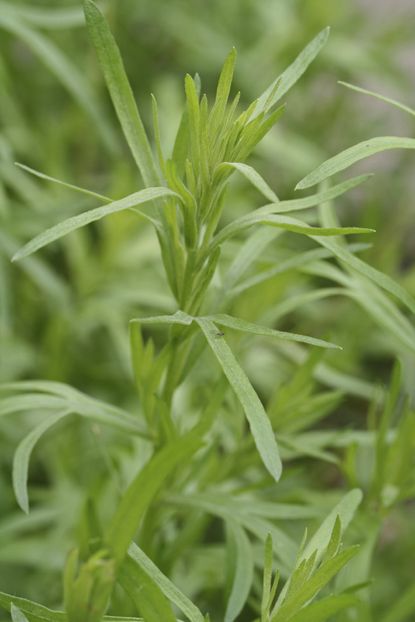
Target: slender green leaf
243, 571
143, 489
36, 173
168, 588
257, 417
282, 222
71, 224
39, 613
253, 176
352, 155
145, 593
256, 329
325, 608
17, 614
379, 278
292, 74
22, 457
383, 98
121, 94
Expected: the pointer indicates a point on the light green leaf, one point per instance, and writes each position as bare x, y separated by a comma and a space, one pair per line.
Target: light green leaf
22, 457
143, 489
324, 608
292, 74
256, 329
253, 176
39, 613
170, 591
17, 614
282, 222
47, 395
383, 98
352, 155
121, 94
36, 173
223, 90
243, 571
257, 417
71, 224
145, 593
344, 511
295, 205
379, 278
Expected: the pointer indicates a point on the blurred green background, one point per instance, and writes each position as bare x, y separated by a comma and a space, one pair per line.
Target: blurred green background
64, 312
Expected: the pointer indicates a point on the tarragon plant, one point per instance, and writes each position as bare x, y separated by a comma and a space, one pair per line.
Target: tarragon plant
184, 197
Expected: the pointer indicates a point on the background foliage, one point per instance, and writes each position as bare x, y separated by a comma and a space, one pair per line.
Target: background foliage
64, 315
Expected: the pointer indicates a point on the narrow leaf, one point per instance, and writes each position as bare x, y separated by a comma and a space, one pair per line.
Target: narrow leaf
76, 222
253, 176
168, 588
143, 489
22, 457
256, 329
17, 614
257, 417
243, 574
383, 98
121, 94
292, 74
36, 173
354, 154
379, 278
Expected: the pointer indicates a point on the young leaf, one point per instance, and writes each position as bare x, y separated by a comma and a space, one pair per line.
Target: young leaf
352, 155
17, 614
41, 175
145, 593
257, 417
121, 94
292, 74
170, 591
243, 571
71, 224
253, 176
323, 609
379, 278
383, 98
143, 489
22, 457
256, 329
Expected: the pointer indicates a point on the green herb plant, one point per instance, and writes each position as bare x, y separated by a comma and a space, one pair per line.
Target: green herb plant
203, 466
